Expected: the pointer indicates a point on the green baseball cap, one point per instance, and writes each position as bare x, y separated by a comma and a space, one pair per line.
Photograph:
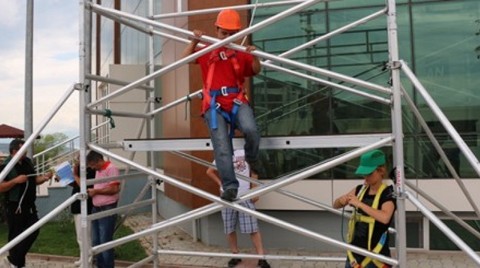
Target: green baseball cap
369, 161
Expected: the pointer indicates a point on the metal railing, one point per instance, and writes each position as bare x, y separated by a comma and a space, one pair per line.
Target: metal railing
67, 151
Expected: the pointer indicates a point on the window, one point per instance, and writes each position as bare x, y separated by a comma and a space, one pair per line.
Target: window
443, 53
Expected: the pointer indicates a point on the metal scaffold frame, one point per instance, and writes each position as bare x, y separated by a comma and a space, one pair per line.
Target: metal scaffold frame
362, 143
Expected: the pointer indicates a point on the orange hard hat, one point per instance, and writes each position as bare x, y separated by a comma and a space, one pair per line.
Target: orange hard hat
228, 19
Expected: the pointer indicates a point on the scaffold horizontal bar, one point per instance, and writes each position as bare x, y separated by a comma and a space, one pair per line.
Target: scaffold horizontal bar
444, 228
113, 81
287, 142
251, 194
119, 210
217, 9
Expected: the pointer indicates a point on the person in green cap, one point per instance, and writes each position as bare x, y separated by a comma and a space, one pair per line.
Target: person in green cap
374, 204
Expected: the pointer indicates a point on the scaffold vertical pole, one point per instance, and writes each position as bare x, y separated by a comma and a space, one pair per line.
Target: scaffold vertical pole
397, 130
29, 75
151, 134
85, 31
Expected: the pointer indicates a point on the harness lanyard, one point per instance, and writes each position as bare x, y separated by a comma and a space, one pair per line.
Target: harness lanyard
371, 225
353, 220
19, 207
211, 100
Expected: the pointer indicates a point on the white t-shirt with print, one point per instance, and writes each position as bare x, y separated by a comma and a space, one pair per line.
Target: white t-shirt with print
241, 167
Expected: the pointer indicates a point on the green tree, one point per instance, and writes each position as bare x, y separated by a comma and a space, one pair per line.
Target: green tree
48, 141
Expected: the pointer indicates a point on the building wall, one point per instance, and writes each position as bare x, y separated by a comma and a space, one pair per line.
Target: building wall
133, 101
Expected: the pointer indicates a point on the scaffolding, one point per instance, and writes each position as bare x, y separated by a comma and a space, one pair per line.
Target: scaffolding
391, 96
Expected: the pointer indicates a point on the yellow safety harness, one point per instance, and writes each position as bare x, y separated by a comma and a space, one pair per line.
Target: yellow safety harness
356, 217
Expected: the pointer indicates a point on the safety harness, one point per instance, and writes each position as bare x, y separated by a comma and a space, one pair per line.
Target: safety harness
357, 217
210, 95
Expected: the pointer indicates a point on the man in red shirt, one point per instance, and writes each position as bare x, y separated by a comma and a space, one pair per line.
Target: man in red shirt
224, 99
105, 196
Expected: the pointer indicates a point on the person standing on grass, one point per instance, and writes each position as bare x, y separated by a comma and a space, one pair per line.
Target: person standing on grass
225, 100
104, 196
230, 217
20, 188
75, 207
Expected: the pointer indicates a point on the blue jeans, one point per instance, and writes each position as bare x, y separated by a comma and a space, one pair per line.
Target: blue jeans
222, 147
102, 232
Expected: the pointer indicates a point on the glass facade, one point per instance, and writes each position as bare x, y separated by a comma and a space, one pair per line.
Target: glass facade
134, 44
439, 241
133, 50
440, 41
106, 39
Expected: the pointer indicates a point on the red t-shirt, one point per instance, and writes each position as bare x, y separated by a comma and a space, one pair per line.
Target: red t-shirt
107, 170
224, 76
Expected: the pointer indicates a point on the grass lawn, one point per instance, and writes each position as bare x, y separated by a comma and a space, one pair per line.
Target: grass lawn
58, 238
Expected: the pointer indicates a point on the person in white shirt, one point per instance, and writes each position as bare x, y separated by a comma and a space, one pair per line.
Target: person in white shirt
248, 224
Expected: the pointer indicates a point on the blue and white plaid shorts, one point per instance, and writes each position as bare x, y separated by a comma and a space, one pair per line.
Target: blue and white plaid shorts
248, 224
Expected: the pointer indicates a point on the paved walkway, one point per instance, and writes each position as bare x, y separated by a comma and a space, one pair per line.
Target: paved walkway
174, 238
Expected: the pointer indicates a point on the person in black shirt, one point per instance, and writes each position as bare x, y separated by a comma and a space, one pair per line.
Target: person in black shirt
75, 207
374, 205
20, 191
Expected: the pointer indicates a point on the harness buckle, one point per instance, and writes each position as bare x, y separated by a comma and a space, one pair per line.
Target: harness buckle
224, 91
223, 55
237, 101
217, 106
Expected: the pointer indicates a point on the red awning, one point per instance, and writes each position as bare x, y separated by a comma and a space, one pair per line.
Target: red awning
7, 131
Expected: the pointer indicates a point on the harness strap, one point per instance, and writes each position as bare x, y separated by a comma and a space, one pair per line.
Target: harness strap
214, 106
224, 91
216, 56
376, 202
233, 115
371, 224
377, 249
236, 69
365, 219
353, 219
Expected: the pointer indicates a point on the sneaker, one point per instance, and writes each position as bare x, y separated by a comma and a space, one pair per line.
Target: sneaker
229, 194
263, 264
233, 262
78, 263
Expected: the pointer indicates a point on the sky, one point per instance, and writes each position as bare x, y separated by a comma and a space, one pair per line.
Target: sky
55, 63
